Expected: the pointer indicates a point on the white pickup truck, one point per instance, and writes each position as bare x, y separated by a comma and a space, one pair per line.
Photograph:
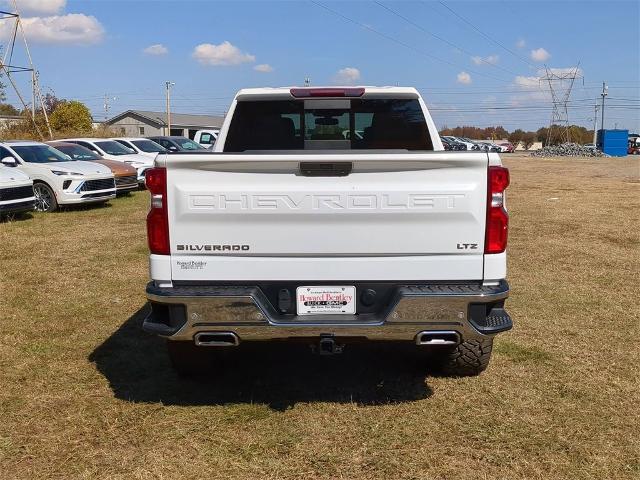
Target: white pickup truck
297, 228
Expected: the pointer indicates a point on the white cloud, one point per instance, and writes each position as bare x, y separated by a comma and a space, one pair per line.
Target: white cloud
540, 55
521, 43
527, 83
38, 7
347, 76
73, 28
156, 49
490, 60
533, 88
264, 68
536, 89
537, 83
224, 54
464, 78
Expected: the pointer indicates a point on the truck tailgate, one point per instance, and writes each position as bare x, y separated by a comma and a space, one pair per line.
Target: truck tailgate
424, 206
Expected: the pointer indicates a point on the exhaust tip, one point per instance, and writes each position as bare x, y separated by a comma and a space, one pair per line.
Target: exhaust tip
216, 339
438, 338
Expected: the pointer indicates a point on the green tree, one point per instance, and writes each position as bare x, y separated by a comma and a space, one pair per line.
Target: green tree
71, 116
515, 137
528, 139
8, 109
541, 135
500, 133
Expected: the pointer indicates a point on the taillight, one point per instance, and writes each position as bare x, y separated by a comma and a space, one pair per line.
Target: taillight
327, 92
497, 217
157, 218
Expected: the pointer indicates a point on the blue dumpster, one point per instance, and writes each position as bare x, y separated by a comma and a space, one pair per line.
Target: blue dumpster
613, 142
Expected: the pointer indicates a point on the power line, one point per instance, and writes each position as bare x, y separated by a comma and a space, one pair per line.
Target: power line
419, 27
406, 45
520, 57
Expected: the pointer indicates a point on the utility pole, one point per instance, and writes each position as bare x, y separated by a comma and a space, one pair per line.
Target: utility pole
603, 94
307, 81
595, 122
168, 86
33, 94
107, 106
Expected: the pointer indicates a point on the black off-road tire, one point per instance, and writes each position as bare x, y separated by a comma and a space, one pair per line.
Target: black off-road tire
467, 359
188, 359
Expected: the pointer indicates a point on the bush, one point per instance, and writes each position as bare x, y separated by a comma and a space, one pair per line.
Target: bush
528, 139
71, 116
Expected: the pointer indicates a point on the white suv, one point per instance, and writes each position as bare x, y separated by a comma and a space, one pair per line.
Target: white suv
112, 150
16, 191
142, 146
58, 180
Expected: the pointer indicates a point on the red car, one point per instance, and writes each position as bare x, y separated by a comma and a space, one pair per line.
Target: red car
507, 147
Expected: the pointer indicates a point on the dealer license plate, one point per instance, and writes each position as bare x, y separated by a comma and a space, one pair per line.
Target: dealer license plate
326, 300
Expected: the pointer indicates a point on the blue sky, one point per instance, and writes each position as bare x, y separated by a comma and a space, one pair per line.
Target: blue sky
86, 49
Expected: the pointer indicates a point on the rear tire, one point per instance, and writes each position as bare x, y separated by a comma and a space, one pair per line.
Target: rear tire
188, 359
467, 359
45, 198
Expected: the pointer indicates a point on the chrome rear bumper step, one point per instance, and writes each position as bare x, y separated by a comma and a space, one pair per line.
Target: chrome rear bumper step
428, 315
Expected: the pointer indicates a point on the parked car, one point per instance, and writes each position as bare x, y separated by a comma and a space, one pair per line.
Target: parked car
112, 150
57, 179
178, 144
488, 146
207, 138
633, 144
330, 245
451, 145
16, 191
460, 146
471, 144
467, 145
507, 147
143, 146
126, 176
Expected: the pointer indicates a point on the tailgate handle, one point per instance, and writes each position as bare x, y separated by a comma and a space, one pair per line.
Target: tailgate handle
332, 169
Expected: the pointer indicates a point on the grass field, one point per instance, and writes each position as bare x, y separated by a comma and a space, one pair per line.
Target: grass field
84, 393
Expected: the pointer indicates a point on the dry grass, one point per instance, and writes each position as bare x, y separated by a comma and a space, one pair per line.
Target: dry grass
84, 393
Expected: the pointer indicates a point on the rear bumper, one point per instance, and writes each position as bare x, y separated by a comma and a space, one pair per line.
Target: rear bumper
471, 310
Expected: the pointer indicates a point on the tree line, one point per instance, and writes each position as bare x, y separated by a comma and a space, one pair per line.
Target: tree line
66, 117
577, 134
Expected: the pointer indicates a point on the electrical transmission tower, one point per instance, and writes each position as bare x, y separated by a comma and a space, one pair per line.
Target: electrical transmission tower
9, 69
560, 85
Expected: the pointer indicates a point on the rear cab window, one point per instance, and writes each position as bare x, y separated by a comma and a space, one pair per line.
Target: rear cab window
328, 124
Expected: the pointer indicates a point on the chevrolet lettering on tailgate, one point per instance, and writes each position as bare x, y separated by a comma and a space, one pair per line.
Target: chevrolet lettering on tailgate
329, 216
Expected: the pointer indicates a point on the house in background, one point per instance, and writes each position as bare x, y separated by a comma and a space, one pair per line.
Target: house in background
143, 123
